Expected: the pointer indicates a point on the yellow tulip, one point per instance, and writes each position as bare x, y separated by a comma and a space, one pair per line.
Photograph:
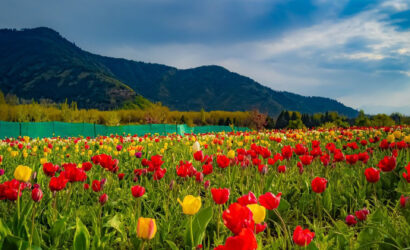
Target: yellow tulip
22, 173
397, 134
258, 211
146, 228
407, 139
231, 154
191, 204
390, 138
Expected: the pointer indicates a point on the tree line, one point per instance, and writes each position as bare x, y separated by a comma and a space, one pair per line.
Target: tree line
20, 110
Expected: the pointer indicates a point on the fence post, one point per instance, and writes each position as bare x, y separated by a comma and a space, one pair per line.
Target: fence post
20, 128
95, 132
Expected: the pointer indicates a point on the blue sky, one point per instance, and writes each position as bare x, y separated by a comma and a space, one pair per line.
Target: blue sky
356, 51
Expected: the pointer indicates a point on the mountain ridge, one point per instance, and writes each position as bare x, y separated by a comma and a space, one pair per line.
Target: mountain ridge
40, 63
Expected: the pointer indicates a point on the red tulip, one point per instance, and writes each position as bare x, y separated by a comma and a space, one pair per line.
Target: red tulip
159, 174
362, 214
199, 177
220, 195
36, 194
282, 169
302, 237
222, 161
260, 227
96, 186
49, 169
325, 159
207, 184
364, 157
270, 201
300, 149
387, 164
103, 199
247, 199
237, 217
319, 185
57, 183
86, 166
198, 155
372, 175
207, 169
351, 220
352, 159
245, 240
137, 191
121, 176
406, 176
287, 152
306, 159
86, 186
72, 173
404, 201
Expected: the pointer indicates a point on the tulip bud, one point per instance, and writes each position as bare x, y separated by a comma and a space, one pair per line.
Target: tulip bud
199, 177
171, 185
207, 184
86, 186
36, 194
1, 172
103, 199
351, 220
138, 154
103, 181
36, 186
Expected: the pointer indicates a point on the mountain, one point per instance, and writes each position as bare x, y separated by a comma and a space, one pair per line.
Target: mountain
40, 63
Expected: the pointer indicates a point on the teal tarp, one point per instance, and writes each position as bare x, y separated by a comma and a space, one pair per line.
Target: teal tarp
49, 129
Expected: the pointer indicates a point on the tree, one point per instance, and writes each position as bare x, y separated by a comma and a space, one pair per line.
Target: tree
258, 119
362, 119
270, 123
2, 99
283, 120
228, 122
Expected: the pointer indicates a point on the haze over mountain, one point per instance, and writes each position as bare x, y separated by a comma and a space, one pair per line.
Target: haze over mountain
40, 63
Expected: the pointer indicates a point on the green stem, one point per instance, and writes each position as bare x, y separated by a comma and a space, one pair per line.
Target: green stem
69, 196
32, 224
143, 245
18, 203
285, 230
191, 232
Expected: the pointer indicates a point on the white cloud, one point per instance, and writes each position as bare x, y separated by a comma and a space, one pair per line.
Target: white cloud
294, 61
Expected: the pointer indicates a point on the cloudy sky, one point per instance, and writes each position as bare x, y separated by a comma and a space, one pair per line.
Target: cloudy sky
356, 51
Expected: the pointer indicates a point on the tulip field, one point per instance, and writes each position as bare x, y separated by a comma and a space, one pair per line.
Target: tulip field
279, 189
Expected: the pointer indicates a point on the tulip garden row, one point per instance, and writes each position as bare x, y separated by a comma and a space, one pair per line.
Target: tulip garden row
314, 189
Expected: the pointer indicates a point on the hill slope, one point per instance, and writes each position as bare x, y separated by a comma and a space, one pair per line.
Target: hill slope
39, 63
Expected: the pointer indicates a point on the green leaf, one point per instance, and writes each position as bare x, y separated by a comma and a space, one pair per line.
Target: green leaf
81, 236
327, 201
283, 205
12, 242
172, 245
4, 229
115, 223
199, 224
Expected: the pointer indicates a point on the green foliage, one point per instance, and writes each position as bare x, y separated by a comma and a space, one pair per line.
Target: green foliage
81, 237
197, 229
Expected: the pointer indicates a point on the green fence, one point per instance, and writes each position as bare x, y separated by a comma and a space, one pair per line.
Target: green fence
50, 129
